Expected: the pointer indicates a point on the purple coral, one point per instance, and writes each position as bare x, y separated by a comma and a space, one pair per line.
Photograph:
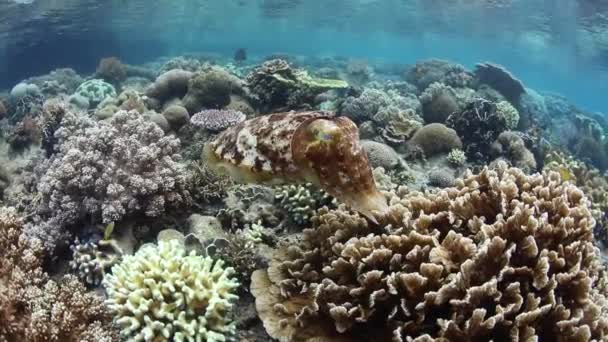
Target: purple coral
216, 119
110, 170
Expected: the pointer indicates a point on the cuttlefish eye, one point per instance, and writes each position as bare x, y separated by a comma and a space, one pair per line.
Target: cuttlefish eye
323, 130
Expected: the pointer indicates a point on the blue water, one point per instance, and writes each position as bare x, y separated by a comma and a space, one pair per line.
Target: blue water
557, 46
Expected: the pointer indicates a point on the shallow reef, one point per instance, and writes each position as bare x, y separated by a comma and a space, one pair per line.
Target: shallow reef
292, 198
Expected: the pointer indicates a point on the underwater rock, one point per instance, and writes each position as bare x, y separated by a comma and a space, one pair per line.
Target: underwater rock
500, 79
381, 155
210, 89
173, 83
292, 147
177, 116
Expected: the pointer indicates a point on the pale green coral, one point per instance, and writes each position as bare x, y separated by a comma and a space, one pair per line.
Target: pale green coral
509, 112
95, 91
162, 293
457, 157
301, 201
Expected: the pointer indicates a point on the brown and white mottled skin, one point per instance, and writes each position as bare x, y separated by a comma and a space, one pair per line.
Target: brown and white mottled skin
291, 147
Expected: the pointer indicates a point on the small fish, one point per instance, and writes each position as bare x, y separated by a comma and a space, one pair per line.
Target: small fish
314, 147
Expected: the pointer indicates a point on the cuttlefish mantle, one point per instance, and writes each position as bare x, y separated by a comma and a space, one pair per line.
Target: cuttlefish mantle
314, 147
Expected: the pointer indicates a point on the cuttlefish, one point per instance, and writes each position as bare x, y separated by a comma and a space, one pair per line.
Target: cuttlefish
314, 147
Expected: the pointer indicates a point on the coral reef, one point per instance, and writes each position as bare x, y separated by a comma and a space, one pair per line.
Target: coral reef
300, 202
217, 120
171, 84
441, 177
164, 294
435, 70
35, 308
438, 102
435, 138
479, 125
108, 170
381, 155
210, 89
457, 157
177, 116
276, 86
91, 260
111, 70
497, 77
501, 255
95, 91
510, 145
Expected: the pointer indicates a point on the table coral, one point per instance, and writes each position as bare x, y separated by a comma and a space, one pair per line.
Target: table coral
500, 256
164, 294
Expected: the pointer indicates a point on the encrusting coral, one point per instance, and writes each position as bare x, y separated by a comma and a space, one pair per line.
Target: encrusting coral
35, 308
163, 293
500, 256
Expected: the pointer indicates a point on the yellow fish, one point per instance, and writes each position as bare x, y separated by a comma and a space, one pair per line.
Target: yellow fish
291, 147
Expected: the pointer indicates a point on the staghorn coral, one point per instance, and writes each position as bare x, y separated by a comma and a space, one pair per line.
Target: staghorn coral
300, 202
108, 170
164, 294
501, 256
479, 125
217, 120
35, 308
510, 145
435, 138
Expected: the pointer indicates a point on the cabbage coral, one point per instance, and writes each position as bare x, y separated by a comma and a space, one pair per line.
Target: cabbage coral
164, 294
500, 256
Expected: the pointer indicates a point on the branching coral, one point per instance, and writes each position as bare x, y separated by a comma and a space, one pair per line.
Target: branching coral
164, 294
35, 308
478, 125
109, 170
300, 202
501, 256
457, 157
